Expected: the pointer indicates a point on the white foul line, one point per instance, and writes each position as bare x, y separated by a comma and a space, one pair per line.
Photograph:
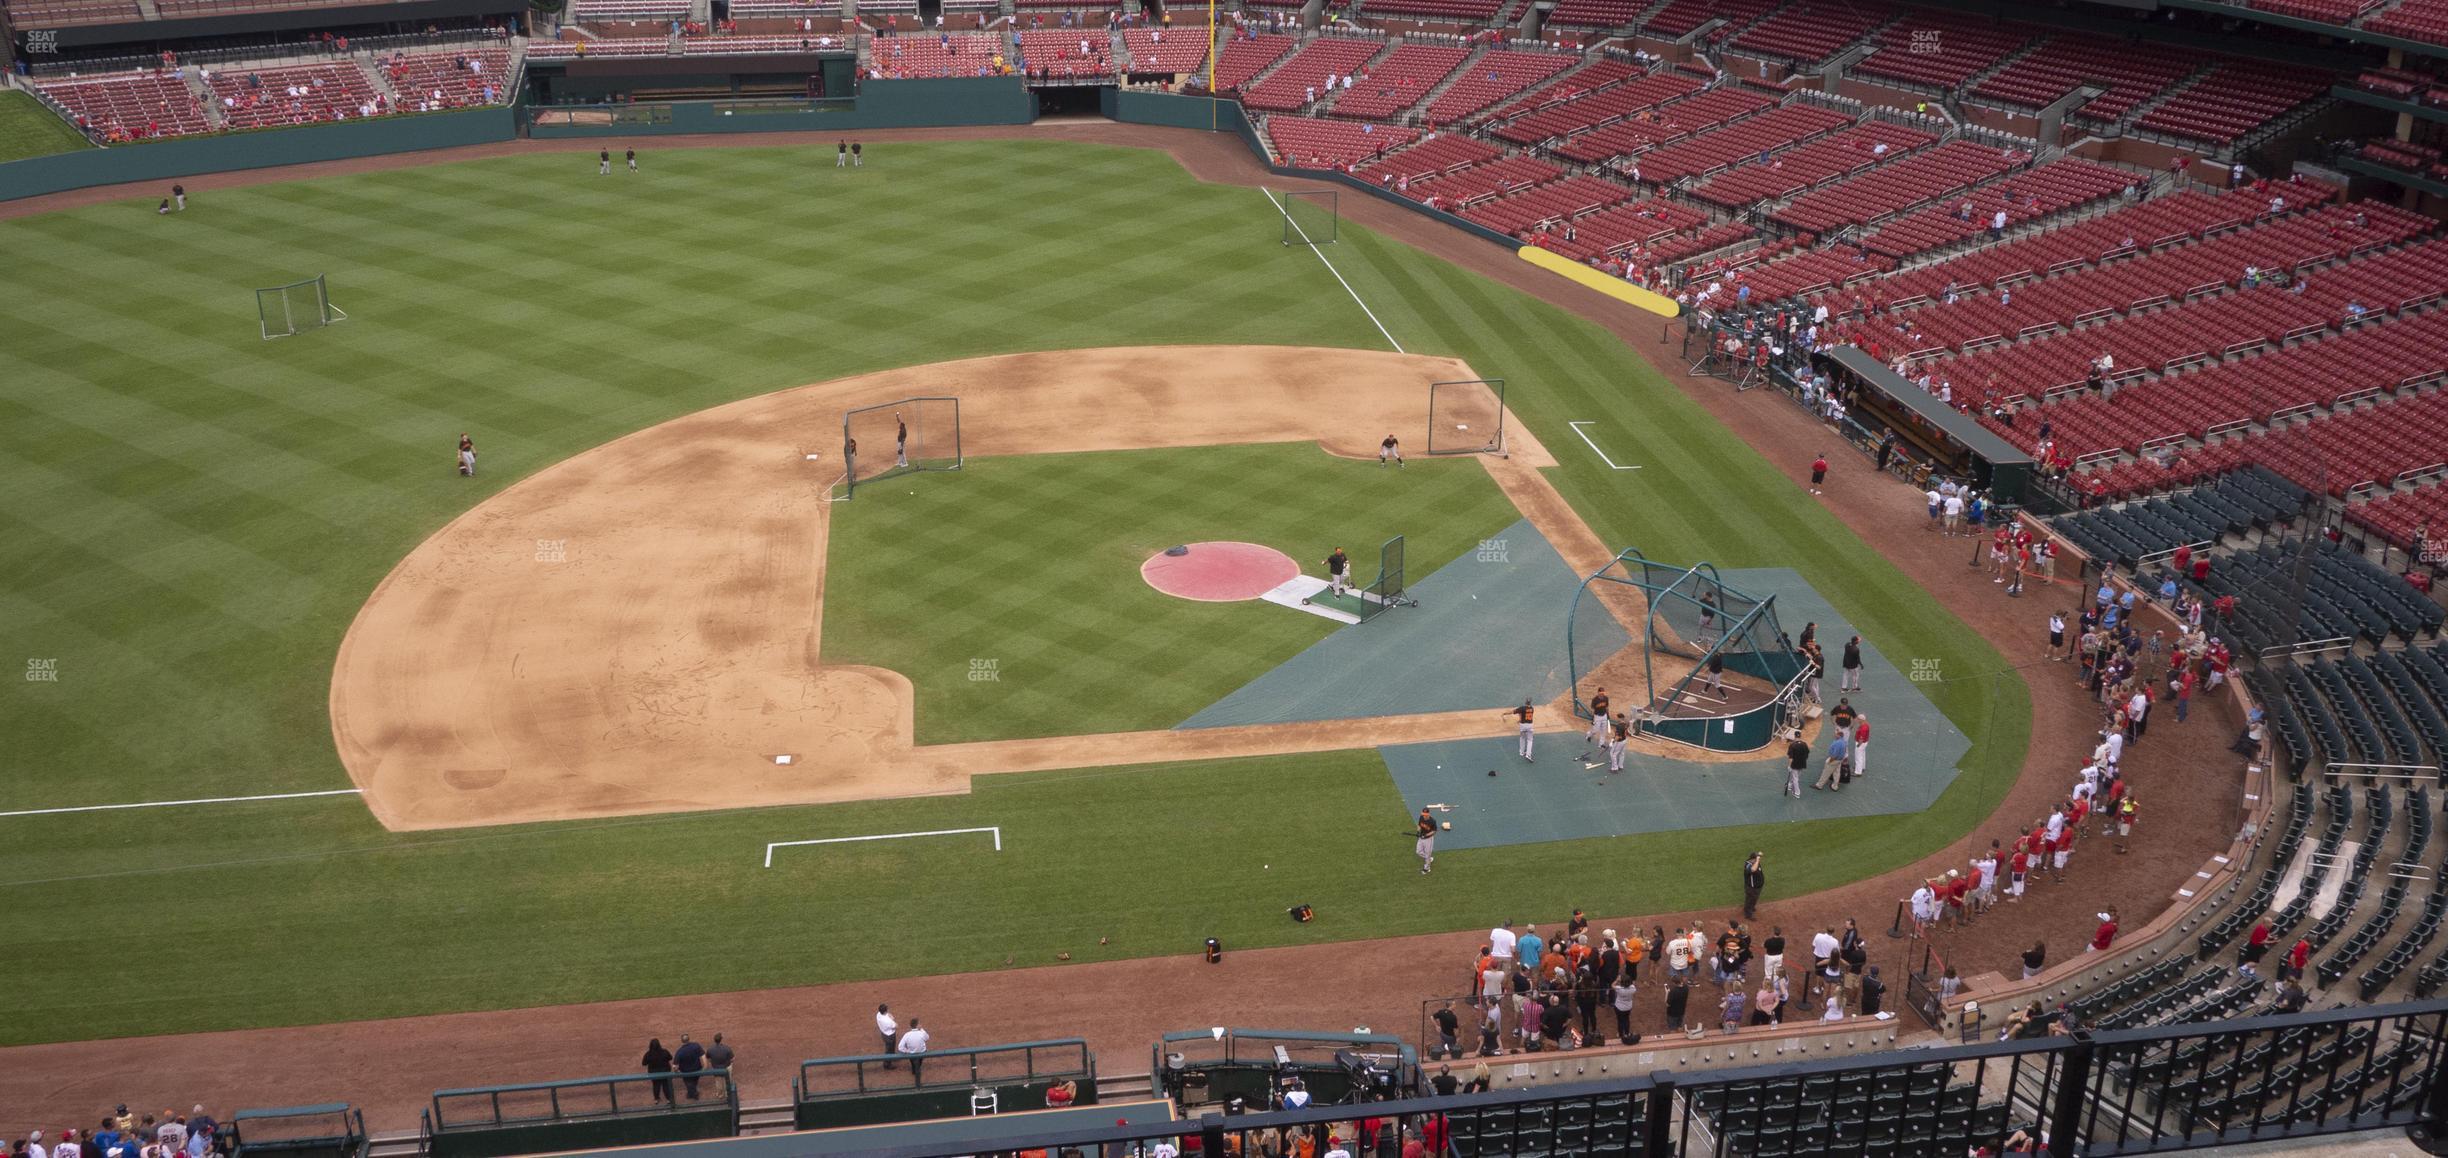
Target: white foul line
180, 803
1338, 274
995, 829
1576, 429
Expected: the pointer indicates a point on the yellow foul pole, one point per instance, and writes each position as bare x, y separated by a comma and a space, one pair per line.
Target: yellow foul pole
1212, 114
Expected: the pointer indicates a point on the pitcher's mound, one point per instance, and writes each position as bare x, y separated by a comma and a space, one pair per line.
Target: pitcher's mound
1219, 572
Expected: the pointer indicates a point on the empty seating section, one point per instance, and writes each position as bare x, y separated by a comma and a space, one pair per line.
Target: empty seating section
2057, 186
1608, 104
459, 78
2360, 362
1811, 271
1599, 74
1499, 75
1622, 229
1705, 153
1922, 1111
1724, 235
2236, 98
1680, 17
2340, 451
1180, 51
61, 13
1896, 186
1596, 13
129, 106
1432, 157
1067, 52
1941, 50
1470, 11
1672, 122
2169, 274
2405, 155
298, 95
1546, 205
1809, 32
2424, 20
1400, 81
2325, 11
1310, 143
2172, 218
1480, 182
1289, 86
2404, 516
2131, 72
1243, 57
1784, 173
951, 54
662, 11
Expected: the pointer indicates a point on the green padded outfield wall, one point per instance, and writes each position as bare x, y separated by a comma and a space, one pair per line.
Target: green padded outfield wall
880, 104
191, 157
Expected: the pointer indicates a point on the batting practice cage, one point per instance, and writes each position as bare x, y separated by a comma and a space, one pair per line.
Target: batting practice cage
1710, 666
898, 438
1466, 417
285, 310
1310, 215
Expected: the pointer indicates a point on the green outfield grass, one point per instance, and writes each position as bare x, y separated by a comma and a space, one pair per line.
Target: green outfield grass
1044, 580
193, 515
27, 129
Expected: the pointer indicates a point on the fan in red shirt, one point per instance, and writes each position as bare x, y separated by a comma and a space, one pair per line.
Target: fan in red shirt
2106, 933
2017, 867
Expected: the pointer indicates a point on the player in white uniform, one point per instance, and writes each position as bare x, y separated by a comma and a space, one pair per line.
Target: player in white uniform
1391, 448
1338, 566
900, 440
1619, 730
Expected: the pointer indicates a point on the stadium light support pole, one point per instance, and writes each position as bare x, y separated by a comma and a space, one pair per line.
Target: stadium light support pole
1214, 116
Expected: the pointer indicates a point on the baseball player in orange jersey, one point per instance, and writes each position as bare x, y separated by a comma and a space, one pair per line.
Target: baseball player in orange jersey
1523, 714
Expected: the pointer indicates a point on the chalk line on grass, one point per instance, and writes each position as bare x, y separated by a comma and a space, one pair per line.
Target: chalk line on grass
997, 830
181, 803
1330, 268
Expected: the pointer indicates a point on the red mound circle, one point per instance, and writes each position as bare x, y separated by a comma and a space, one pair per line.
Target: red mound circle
1220, 572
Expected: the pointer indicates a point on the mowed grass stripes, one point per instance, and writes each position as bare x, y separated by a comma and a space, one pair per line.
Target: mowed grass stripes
193, 515
1010, 593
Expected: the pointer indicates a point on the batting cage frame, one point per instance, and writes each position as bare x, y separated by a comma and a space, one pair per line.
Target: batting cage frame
1321, 209
1388, 592
934, 440
1467, 416
284, 311
1688, 613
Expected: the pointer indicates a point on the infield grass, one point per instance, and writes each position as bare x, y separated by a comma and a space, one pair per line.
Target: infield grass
27, 129
193, 515
1041, 580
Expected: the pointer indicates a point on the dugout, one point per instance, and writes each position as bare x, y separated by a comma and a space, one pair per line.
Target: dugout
1214, 1066
1956, 443
875, 1089
333, 1130
578, 1114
